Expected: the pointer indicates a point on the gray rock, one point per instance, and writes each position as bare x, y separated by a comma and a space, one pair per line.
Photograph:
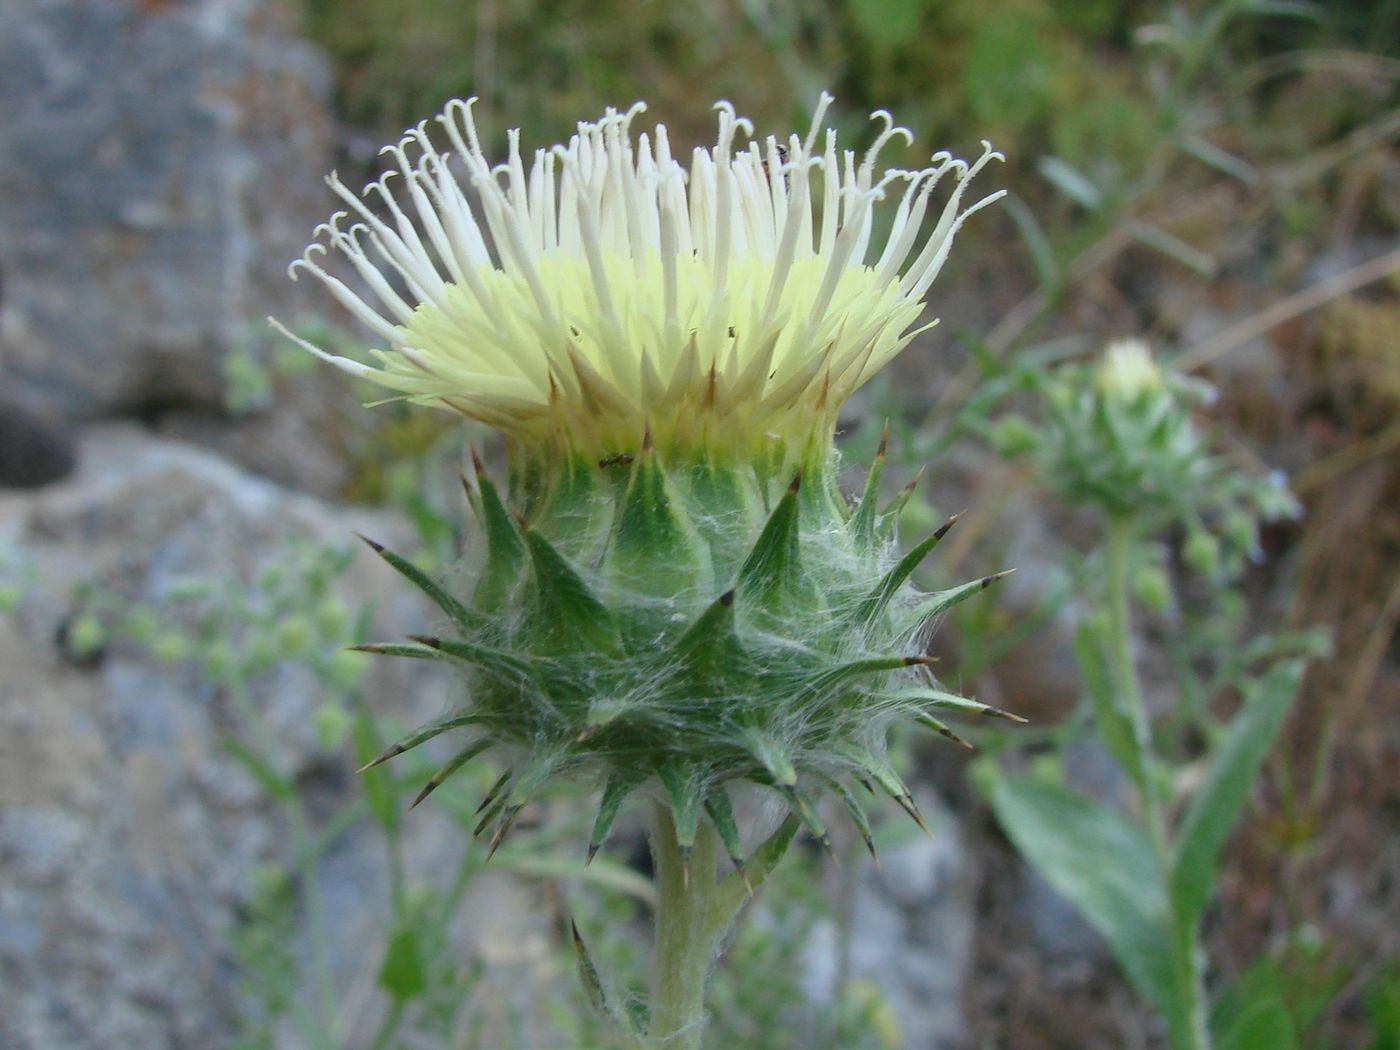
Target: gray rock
908, 931
127, 834
159, 165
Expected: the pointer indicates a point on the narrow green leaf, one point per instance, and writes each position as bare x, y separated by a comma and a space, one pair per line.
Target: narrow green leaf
686, 795
488, 659
1104, 866
927, 720
721, 814
761, 864
274, 783
505, 547
941, 601
833, 677
1113, 725
889, 516
879, 599
467, 621
1216, 805
1073, 183
857, 814
805, 811
863, 521
421, 735
1265, 1025
460, 759
410, 650
619, 786
588, 974
953, 702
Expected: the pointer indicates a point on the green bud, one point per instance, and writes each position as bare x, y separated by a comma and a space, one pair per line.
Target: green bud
271, 578
345, 670
1014, 436
86, 636
331, 618
141, 624
1153, 587
1202, 552
332, 724
171, 647
188, 590
294, 636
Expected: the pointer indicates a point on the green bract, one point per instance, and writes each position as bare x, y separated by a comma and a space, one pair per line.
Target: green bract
677, 628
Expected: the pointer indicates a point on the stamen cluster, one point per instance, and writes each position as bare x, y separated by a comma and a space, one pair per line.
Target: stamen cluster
608, 290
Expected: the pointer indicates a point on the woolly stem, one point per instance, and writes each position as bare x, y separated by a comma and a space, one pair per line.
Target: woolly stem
692, 916
1189, 1030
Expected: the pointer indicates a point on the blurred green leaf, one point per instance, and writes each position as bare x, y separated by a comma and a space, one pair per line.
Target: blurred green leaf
1264, 1026
1073, 183
1114, 728
403, 975
1007, 77
886, 22
1216, 805
271, 781
1103, 865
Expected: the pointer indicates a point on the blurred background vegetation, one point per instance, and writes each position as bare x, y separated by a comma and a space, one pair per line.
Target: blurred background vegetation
1220, 178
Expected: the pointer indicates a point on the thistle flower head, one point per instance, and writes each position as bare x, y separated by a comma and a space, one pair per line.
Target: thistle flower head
606, 289
672, 593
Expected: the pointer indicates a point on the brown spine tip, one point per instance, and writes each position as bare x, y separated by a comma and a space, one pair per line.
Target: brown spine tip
987, 581
913, 484
906, 803
481, 824
383, 756
428, 789
425, 639
870, 848
957, 739
493, 792
884, 441
507, 821
920, 661
477, 465
378, 548
520, 520
796, 483
647, 444
996, 712
947, 525
727, 598
593, 848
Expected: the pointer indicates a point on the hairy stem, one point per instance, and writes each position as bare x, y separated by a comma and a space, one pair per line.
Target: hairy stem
1188, 1021
691, 919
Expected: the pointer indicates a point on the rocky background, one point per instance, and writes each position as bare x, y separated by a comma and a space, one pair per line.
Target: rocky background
161, 160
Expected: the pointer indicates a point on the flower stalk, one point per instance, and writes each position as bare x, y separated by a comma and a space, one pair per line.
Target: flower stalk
671, 594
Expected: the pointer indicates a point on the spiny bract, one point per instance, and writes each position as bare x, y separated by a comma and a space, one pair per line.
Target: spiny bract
689, 627
672, 595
